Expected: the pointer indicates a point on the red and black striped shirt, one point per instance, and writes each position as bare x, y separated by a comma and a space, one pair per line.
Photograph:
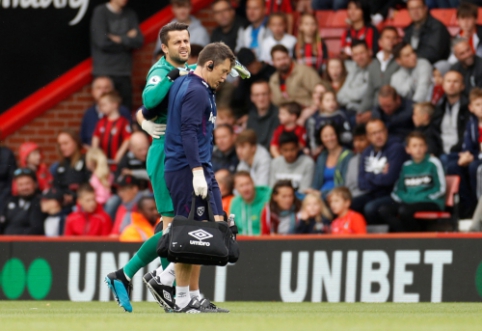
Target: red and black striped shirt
112, 134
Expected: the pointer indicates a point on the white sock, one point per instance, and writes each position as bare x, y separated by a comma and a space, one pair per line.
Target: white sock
127, 277
195, 294
168, 276
159, 270
182, 296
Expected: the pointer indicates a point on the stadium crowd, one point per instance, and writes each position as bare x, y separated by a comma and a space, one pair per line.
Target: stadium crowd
313, 142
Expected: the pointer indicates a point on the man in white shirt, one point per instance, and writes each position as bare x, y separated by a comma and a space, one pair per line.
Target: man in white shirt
253, 35
277, 24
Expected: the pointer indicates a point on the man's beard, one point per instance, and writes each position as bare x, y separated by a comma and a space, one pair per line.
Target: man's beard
178, 59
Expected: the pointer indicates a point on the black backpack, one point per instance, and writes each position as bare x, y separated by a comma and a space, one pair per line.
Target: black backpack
194, 242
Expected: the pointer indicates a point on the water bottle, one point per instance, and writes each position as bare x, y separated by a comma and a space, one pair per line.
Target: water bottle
231, 220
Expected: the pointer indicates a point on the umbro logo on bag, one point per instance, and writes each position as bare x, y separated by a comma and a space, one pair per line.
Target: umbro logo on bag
200, 235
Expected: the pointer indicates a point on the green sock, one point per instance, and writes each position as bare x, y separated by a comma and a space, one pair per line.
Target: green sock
145, 255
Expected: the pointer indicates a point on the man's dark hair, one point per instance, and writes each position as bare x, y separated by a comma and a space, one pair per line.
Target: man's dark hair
359, 42
397, 49
466, 10
293, 108
335, 127
85, 188
416, 135
246, 56
218, 1
247, 137
388, 91
217, 52
360, 130
280, 15
227, 180
140, 203
242, 173
364, 5
173, 26
181, 3
274, 208
196, 50
225, 126
389, 28
288, 138
279, 48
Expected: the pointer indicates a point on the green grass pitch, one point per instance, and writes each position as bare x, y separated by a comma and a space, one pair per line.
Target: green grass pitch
245, 316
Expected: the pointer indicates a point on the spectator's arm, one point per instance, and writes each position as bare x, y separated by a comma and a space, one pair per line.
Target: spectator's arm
262, 172
424, 82
399, 190
136, 41
369, 95
274, 150
99, 33
307, 177
311, 80
272, 175
123, 164
396, 157
122, 150
440, 186
95, 142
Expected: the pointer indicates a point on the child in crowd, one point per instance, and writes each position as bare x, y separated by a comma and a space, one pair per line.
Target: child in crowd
360, 143
101, 179
288, 115
310, 49
440, 68
327, 114
31, 157
278, 24
292, 165
420, 187
51, 204
226, 186
422, 117
279, 215
467, 15
226, 116
347, 220
335, 73
89, 219
314, 215
307, 112
253, 157
112, 132
130, 194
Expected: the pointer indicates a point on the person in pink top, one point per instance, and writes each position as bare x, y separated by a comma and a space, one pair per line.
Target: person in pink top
101, 179
347, 221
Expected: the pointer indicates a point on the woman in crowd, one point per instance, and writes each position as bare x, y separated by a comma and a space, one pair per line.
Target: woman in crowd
335, 73
332, 163
279, 215
314, 215
71, 170
360, 28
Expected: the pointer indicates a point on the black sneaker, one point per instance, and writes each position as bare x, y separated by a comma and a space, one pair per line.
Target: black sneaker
194, 307
211, 307
147, 277
121, 288
163, 294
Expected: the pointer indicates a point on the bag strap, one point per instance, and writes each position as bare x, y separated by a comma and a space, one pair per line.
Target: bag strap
190, 217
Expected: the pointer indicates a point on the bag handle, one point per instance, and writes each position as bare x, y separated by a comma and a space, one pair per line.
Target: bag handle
190, 217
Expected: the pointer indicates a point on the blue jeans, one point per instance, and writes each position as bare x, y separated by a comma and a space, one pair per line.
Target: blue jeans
369, 205
469, 183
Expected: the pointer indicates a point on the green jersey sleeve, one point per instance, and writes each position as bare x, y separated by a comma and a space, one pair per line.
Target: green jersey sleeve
157, 87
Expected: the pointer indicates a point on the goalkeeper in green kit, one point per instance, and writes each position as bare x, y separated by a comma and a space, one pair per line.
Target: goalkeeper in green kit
153, 117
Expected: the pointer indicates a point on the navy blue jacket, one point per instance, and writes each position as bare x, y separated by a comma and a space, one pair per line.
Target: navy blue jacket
370, 173
190, 124
400, 123
90, 119
471, 137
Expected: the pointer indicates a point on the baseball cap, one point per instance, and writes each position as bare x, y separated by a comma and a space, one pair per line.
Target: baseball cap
128, 180
20, 172
52, 194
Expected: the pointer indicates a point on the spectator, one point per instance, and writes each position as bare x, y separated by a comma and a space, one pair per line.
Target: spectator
31, 157
332, 164
328, 113
128, 191
51, 205
351, 93
347, 220
249, 204
253, 35
469, 65
92, 115
395, 112
428, 36
225, 181
314, 217
439, 70
112, 132
181, 9
310, 49
329, 4
292, 81
422, 120
379, 169
467, 14
420, 187
253, 157
22, 214
114, 34
413, 80
224, 154
277, 24
288, 115
279, 215
335, 73
470, 159
360, 143
133, 163
360, 28
194, 54
260, 71
7, 167
263, 116
309, 111
228, 23
291, 164
71, 170
381, 69
101, 179
450, 118
89, 219
143, 222
281, 6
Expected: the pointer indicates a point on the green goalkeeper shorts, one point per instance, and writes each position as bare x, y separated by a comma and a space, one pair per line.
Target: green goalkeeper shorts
155, 170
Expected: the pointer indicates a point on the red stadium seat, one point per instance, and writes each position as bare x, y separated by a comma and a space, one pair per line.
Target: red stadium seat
451, 203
